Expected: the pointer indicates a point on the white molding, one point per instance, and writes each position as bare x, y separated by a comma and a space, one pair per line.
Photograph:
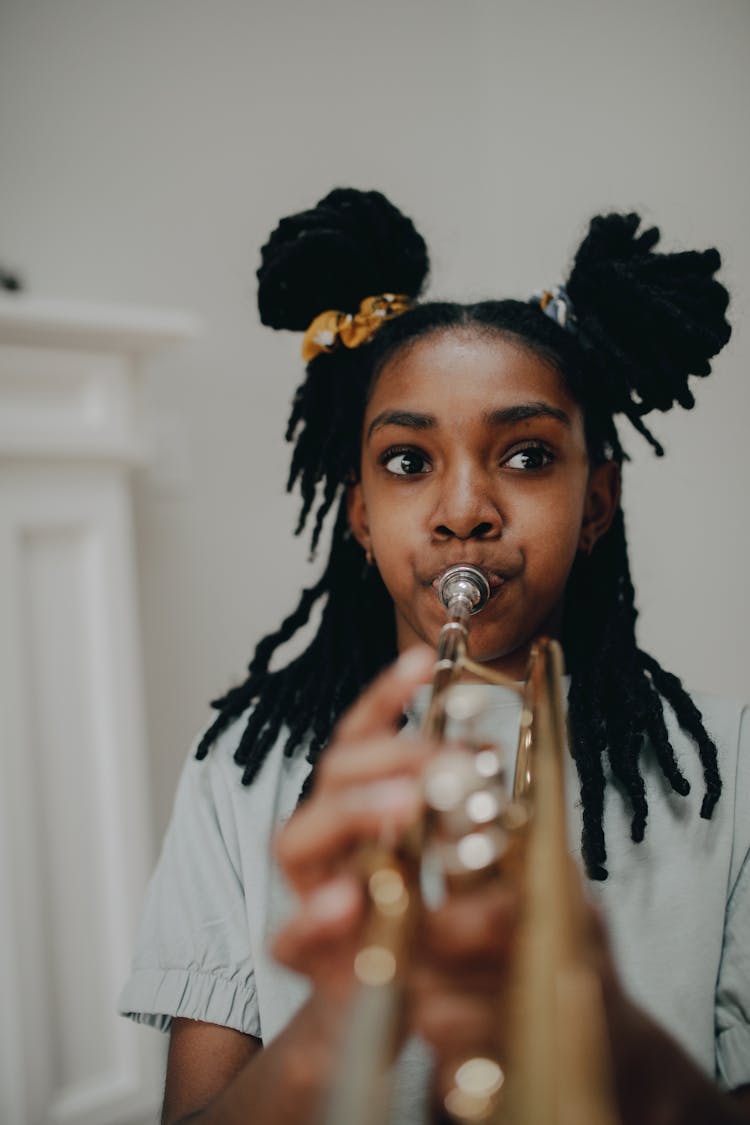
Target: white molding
50, 323
75, 824
69, 385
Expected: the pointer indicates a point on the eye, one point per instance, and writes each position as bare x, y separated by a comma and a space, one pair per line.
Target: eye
405, 462
529, 458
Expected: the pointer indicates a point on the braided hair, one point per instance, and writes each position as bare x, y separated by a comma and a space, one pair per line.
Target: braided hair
644, 322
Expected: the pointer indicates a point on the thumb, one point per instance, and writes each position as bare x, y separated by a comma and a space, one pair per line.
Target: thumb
379, 709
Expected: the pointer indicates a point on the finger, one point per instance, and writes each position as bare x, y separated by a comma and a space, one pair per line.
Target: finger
478, 925
380, 708
332, 914
458, 1023
426, 979
324, 832
348, 763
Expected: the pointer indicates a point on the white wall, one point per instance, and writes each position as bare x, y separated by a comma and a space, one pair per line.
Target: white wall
147, 147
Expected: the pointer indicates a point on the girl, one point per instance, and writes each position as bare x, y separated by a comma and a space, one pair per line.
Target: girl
446, 434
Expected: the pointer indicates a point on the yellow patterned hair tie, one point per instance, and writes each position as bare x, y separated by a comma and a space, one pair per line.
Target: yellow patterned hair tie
334, 327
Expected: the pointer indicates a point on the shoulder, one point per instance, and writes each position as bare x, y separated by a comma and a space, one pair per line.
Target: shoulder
726, 721
725, 714
225, 754
681, 841
214, 784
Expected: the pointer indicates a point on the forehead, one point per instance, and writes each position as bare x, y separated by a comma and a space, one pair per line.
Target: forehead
453, 370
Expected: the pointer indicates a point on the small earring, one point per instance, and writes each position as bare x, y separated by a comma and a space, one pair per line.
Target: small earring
368, 557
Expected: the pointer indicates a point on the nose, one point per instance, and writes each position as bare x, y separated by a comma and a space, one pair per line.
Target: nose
466, 508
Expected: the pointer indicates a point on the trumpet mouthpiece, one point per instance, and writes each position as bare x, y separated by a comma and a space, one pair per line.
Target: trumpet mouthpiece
465, 587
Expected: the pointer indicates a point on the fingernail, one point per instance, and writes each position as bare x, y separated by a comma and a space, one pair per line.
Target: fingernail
394, 794
414, 661
334, 900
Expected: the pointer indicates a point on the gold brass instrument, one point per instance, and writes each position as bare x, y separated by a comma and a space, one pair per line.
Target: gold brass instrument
557, 1068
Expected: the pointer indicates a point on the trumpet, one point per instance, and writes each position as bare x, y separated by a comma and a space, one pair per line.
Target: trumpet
557, 1070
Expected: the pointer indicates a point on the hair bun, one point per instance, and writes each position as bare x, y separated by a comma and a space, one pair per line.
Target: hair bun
352, 244
653, 318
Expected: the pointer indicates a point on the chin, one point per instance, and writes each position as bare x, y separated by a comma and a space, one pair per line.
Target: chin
503, 650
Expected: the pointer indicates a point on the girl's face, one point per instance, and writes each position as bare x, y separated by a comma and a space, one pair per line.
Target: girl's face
473, 451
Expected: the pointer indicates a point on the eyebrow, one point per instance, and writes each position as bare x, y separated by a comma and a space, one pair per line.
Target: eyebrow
408, 418
506, 415
503, 416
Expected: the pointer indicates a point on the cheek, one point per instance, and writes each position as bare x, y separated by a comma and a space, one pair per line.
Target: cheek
561, 501
551, 530
390, 508
393, 536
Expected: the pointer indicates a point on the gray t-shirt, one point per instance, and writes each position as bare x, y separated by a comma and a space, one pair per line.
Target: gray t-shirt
677, 904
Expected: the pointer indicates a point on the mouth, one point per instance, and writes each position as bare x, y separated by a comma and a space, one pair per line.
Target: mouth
495, 579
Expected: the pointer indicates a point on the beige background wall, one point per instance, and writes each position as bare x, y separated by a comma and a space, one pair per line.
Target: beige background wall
148, 146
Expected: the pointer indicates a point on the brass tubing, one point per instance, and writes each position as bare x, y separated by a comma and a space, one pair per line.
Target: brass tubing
557, 1071
360, 1094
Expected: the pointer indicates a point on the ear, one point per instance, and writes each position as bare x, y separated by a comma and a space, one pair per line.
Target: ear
356, 511
602, 501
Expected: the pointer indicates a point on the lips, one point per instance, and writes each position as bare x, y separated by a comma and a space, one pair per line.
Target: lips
495, 579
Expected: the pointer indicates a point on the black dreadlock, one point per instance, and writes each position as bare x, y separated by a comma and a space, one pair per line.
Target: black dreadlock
645, 321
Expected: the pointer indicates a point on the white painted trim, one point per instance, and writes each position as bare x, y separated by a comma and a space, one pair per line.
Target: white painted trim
76, 843
76, 324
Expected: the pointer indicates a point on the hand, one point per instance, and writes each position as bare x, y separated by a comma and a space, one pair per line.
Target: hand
458, 994
367, 789
464, 988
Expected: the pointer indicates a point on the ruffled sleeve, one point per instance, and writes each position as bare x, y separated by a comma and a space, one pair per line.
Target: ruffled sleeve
733, 986
193, 951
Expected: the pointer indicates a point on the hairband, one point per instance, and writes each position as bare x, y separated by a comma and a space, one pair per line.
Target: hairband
352, 329
334, 327
557, 305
